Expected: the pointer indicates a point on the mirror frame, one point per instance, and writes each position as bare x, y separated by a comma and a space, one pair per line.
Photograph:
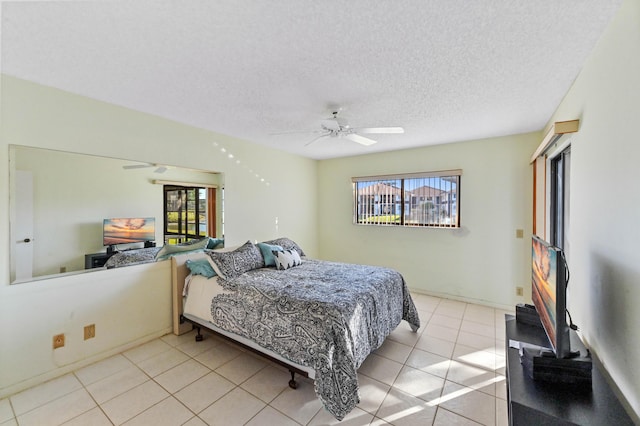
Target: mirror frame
61, 177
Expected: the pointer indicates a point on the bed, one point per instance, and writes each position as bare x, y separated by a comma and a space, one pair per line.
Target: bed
321, 319
132, 257
137, 256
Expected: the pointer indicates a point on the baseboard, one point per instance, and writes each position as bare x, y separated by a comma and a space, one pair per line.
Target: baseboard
58, 372
508, 308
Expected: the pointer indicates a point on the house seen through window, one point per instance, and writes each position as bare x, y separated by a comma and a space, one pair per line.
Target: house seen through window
418, 199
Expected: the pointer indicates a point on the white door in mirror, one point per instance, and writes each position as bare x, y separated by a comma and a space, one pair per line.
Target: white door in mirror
23, 244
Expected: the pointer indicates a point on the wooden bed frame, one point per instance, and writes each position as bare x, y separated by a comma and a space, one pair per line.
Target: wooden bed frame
183, 324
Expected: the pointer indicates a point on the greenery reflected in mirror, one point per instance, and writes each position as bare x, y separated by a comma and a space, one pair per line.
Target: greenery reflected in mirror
71, 196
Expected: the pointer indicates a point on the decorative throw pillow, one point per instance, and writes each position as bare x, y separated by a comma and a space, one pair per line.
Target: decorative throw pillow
286, 259
215, 243
169, 250
266, 250
286, 244
201, 267
233, 263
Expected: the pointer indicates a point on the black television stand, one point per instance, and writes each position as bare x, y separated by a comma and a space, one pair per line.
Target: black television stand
538, 402
540, 363
96, 260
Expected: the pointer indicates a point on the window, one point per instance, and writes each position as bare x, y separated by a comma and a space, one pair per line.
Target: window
189, 213
418, 199
559, 208
551, 189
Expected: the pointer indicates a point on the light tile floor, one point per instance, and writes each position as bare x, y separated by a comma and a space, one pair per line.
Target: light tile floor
449, 373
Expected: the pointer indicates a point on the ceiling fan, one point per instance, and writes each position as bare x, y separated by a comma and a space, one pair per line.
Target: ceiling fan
338, 127
159, 167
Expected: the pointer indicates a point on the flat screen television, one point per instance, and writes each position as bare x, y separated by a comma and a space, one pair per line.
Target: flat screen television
549, 294
128, 230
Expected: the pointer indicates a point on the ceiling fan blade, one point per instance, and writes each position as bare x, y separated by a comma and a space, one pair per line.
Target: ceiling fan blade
360, 139
379, 130
159, 168
315, 139
137, 166
292, 132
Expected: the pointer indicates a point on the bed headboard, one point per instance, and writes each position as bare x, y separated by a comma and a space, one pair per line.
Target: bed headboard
179, 272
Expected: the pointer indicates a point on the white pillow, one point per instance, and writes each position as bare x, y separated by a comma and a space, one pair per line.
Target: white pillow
286, 259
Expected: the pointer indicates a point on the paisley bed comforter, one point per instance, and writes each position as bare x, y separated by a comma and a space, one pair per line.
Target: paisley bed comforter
325, 315
132, 257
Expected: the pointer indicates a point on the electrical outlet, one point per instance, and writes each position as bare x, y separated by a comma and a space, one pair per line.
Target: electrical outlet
519, 233
58, 341
519, 291
89, 331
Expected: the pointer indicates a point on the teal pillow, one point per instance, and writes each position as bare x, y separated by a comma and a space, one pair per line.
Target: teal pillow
267, 253
215, 243
169, 250
201, 267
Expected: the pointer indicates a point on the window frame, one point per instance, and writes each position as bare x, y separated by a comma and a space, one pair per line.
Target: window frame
182, 235
551, 218
396, 188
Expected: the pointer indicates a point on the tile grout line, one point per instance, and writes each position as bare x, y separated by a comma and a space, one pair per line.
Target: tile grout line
57, 398
94, 400
412, 346
238, 385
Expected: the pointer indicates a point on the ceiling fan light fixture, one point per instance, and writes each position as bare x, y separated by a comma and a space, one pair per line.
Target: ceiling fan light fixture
334, 127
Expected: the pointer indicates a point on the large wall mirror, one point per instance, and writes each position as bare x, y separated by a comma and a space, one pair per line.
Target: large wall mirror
59, 200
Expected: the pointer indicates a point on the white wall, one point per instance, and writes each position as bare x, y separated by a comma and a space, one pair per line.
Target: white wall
605, 200
128, 306
117, 300
483, 261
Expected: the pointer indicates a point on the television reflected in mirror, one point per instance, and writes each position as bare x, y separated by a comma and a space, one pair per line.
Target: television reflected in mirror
128, 230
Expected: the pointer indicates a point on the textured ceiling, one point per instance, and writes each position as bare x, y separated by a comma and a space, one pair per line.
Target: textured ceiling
445, 70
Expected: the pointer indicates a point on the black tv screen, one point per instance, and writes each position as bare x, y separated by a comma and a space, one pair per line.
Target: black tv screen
549, 290
128, 230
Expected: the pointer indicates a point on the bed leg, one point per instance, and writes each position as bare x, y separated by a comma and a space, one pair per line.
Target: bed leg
199, 336
292, 383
